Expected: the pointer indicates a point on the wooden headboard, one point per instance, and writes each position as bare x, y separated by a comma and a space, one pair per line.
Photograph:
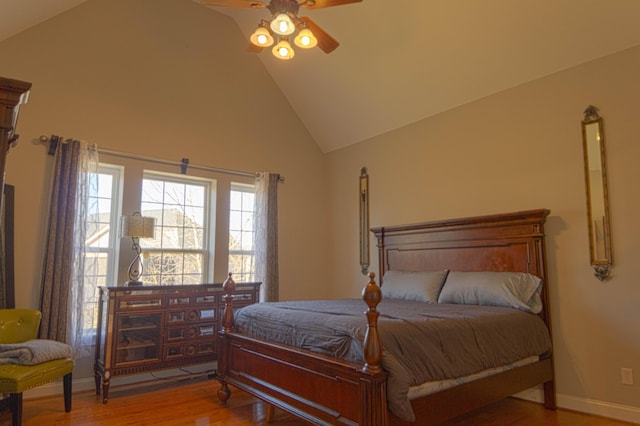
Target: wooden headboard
502, 242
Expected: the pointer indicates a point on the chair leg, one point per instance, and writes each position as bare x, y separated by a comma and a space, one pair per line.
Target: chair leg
66, 383
15, 401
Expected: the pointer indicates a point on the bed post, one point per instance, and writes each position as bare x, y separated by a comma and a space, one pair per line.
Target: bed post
372, 295
229, 286
374, 388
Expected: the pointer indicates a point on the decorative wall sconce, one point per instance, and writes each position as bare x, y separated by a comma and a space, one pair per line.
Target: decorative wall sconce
135, 227
363, 200
597, 194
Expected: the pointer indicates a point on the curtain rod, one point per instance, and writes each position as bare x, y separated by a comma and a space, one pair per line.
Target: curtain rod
184, 164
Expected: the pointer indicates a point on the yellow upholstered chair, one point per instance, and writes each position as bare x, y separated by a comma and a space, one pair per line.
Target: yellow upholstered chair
18, 326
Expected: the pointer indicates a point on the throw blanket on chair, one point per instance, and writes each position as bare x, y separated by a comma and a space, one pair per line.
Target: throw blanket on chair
33, 352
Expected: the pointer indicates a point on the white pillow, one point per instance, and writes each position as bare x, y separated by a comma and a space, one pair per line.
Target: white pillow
418, 286
512, 289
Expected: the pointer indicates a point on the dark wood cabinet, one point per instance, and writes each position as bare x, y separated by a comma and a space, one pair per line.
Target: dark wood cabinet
13, 93
149, 328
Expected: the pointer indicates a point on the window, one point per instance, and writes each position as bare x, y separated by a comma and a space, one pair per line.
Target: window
242, 233
101, 237
179, 252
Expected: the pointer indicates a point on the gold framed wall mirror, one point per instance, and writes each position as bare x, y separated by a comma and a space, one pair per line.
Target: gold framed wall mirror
597, 194
363, 201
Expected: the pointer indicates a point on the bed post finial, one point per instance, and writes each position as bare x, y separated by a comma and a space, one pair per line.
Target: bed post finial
372, 295
229, 286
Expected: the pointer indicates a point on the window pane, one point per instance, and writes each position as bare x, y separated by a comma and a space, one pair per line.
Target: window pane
247, 200
235, 220
194, 196
194, 215
247, 220
174, 193
235, 240
241, 232
247, 240
235, 200
177, 253
153, 191
99, 262
105, 185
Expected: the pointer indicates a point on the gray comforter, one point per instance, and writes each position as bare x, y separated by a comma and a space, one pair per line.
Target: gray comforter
421, 342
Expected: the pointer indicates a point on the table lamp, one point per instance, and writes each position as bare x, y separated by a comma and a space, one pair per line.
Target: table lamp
135, 227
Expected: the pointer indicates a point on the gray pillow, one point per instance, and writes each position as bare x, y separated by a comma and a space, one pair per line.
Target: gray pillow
511, 289
417, 286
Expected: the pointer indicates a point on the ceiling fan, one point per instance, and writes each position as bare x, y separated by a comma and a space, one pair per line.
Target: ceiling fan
284, 22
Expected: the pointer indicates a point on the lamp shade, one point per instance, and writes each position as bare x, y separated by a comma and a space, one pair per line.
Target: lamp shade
137, 226
305, 39
283, 50
261, 37
282, 24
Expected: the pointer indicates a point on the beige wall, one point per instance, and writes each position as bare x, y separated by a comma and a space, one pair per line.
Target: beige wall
517, 150
164, 79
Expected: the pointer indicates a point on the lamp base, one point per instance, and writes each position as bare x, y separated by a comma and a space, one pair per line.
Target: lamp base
133, 283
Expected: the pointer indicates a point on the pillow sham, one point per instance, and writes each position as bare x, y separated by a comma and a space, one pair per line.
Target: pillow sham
511, 289
417, 286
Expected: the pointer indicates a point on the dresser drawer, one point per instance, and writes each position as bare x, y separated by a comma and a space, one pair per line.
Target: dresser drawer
191, 314
191, 331
190, 349
199, 299
244, 298
140, 302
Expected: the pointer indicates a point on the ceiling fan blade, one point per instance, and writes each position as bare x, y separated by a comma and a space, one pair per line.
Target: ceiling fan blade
325, 42
250, 4
319, 4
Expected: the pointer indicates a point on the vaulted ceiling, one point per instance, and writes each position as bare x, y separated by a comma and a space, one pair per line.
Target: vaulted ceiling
402, 61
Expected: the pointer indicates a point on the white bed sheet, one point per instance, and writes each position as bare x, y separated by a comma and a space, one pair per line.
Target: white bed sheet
437, 386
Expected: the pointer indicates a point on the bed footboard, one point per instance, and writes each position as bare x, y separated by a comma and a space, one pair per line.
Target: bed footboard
315, 387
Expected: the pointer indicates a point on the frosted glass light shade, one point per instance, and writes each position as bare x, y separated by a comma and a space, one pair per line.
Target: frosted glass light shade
283, 50
305, 39
261, 37
282, 24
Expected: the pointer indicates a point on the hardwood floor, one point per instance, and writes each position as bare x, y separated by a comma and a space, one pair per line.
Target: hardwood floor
193, 402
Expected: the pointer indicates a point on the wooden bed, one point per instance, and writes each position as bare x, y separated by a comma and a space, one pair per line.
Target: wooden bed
326, 390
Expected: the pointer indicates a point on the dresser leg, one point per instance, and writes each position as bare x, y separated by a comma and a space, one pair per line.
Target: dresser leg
105, 390
98, 379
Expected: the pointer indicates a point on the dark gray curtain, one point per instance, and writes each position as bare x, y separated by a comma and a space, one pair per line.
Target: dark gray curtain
60, 267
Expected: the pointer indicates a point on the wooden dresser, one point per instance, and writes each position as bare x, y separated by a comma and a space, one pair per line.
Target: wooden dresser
148, 328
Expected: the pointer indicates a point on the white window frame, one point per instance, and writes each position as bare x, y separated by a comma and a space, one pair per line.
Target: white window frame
243, 275
209, 230
112, 250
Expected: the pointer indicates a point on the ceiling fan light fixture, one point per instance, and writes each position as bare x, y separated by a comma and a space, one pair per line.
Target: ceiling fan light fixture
305, 39
283, 50
282, 24
261, 37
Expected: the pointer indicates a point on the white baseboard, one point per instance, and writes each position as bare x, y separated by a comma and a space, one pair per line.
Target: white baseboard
585, 405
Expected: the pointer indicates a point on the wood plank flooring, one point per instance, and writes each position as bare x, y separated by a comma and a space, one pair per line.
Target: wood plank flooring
194, 402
